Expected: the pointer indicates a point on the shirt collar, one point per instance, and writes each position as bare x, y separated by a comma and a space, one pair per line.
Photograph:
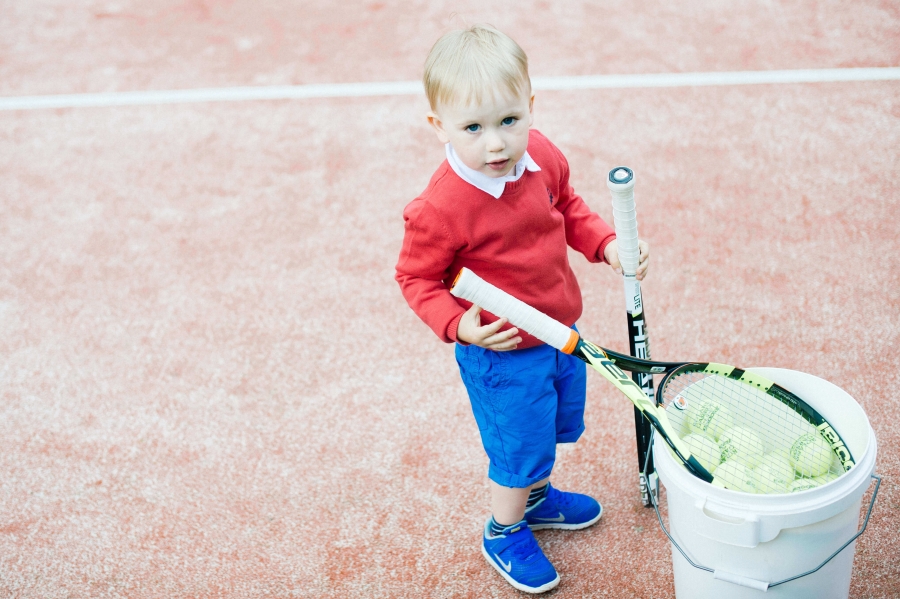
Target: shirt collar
489, 185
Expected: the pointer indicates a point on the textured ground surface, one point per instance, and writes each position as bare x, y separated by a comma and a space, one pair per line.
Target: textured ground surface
210, 385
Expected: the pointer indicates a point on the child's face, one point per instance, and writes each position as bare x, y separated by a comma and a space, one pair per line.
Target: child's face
489, 137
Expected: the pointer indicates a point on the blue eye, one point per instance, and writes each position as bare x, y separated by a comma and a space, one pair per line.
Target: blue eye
473, 128
509, 120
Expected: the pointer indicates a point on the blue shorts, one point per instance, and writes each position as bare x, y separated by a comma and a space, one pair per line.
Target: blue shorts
525, 402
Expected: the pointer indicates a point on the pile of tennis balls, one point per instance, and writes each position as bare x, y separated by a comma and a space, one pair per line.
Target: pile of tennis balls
736, 455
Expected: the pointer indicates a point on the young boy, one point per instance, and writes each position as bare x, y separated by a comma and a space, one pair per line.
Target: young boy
501, 204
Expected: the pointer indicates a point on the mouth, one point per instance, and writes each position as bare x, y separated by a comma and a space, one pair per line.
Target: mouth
498, 165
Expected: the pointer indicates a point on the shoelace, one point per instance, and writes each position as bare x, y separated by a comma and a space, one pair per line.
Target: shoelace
565, 500
525, 548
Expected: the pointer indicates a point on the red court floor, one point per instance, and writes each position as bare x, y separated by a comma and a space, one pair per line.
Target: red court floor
211, 386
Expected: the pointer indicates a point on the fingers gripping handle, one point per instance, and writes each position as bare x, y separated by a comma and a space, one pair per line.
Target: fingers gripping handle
473, 288
621, 186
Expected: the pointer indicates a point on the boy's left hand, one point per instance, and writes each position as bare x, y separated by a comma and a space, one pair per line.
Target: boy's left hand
611, 253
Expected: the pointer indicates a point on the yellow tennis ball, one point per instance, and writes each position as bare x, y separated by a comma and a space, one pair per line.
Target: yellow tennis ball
736, 476
826, 478
709, 418
803, 484
811, 455
705, 450
774, 474
743, 445
769, 480
779, 460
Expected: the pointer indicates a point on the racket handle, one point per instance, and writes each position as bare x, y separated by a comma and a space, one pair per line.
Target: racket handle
473, 288
621, 186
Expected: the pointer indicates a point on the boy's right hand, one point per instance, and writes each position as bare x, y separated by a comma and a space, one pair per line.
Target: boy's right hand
470, 331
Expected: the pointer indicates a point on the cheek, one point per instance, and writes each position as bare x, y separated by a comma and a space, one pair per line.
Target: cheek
468, 153
471, 160
522, 141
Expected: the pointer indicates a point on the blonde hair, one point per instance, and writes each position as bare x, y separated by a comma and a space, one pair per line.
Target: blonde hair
465, 65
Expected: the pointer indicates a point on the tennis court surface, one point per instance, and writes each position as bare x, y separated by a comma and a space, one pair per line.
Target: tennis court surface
211, 385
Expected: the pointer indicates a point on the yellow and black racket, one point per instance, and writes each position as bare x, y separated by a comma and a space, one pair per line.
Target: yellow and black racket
730, 427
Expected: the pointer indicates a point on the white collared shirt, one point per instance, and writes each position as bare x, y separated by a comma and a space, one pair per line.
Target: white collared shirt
489, 185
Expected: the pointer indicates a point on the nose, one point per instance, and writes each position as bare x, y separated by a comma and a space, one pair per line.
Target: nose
493, 141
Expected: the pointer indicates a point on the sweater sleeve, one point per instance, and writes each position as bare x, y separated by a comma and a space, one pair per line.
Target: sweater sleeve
425, 258
586, 232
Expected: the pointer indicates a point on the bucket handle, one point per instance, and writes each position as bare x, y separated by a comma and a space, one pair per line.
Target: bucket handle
744, 581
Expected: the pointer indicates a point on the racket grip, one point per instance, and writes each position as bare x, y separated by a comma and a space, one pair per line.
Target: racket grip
621, 186
473, 288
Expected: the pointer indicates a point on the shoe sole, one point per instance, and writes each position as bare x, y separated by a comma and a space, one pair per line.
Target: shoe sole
564, 526
518, 585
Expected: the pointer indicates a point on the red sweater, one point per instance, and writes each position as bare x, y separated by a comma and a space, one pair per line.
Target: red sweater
517, 242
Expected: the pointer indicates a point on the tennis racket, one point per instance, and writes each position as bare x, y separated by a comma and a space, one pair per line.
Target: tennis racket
729, 427
621, 186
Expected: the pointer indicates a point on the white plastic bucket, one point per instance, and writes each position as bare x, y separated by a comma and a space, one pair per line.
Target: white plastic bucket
752, 541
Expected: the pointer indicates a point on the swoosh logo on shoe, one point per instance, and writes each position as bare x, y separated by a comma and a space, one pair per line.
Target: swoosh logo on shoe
507, 567
559, 518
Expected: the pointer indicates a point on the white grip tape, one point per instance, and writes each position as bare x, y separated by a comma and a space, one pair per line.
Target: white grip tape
625, 220
473, 288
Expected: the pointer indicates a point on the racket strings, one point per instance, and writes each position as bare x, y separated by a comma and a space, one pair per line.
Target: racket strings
746, 437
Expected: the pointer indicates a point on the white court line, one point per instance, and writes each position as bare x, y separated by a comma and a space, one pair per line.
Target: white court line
403, 88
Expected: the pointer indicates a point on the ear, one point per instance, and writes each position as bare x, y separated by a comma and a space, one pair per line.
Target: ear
531, 110
438, 126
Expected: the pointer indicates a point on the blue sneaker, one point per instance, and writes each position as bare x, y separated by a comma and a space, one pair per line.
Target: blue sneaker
515, 554
568, 511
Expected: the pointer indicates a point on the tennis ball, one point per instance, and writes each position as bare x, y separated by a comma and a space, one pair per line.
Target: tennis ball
736, 476
811, 455
803, 484
826, 478
779, 460
774, 474
709, 418
705, 450
743, 445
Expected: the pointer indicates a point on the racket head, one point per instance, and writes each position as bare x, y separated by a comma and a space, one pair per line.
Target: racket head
771, 440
